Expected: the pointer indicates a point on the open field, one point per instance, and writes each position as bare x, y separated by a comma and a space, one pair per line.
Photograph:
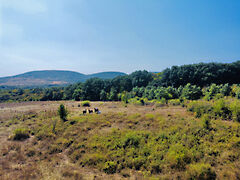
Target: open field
123, 142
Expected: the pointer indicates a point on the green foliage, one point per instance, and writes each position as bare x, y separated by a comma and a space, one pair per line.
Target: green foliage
54, 126
178, 156
191, 92
199, 107
235, 109
103, 95
20, 134
174, 102
211, 91
202, 74
221, 109
206, 122
236, 91
201, 171
131, 140
110, 167
86, 104
62, 112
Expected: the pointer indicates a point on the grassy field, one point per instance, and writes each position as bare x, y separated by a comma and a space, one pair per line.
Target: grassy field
123, 142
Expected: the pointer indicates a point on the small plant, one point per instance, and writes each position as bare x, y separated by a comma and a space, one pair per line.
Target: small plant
200, 171
110, 167
86, 103
62, 112
221, 109
20, 134
174, 102
235, 109
206, 122
54, 126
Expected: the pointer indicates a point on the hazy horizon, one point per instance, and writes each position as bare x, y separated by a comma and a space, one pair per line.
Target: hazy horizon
91, 36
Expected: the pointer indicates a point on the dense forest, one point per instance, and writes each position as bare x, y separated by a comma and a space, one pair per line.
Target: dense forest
187, 81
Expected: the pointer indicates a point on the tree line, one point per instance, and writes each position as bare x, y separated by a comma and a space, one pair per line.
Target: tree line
169, 84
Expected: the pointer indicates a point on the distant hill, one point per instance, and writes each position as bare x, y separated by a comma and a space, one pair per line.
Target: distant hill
52, 78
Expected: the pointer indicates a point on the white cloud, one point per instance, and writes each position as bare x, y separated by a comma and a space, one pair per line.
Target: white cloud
25, 6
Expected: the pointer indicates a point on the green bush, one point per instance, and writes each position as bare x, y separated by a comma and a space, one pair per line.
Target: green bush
221, 109
206, 122
20, 134
131, 140
62, 112
199, 108
138, 101
174, 102
178, 156
110, 167
211, 91
191, 92
86, 104
200, 171
160, 103
235, 109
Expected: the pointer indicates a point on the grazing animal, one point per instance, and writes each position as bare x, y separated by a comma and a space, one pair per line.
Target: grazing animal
96, 110
84, 111
90, 111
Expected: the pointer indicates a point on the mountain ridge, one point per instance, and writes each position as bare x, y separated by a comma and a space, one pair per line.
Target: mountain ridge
53, 78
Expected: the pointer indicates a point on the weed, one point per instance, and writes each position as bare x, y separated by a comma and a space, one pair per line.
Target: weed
20, 134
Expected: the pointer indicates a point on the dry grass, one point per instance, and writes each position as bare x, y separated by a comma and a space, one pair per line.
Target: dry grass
51, 154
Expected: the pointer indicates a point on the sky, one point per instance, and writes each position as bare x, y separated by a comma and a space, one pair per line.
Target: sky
90, 36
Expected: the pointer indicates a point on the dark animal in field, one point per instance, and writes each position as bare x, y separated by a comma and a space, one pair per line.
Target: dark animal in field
96, 110
90, 111
84, 111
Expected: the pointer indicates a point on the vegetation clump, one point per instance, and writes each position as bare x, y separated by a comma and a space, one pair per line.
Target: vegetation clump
62, 112
86, 103
20, 134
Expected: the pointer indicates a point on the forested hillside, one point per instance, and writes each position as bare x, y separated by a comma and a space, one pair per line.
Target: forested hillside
174, 82
52, 78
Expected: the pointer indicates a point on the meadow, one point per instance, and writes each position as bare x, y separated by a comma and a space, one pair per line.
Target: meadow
125, 141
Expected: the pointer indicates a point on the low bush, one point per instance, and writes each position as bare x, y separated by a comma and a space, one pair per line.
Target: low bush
206, 122
62, 112
20, 134
199, 108
174, 102
200, 171
110, 167
235, 109
221, 109
86, 104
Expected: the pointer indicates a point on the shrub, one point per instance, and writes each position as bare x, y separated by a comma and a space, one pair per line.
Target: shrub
199, 108
178, 156
220, 109
110, 167
235, 109
191, 92
86, 103
174, 102
211, 91
62, 112
206, 122
137, 101
20, 134
200, 171
131, 140
160, 103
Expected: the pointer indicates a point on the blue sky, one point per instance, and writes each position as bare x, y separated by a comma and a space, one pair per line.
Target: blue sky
91, 36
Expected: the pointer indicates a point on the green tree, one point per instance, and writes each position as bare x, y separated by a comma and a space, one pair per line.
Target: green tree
191, 92
62, 112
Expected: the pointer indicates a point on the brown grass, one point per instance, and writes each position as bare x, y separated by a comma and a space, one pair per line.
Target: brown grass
40, 157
